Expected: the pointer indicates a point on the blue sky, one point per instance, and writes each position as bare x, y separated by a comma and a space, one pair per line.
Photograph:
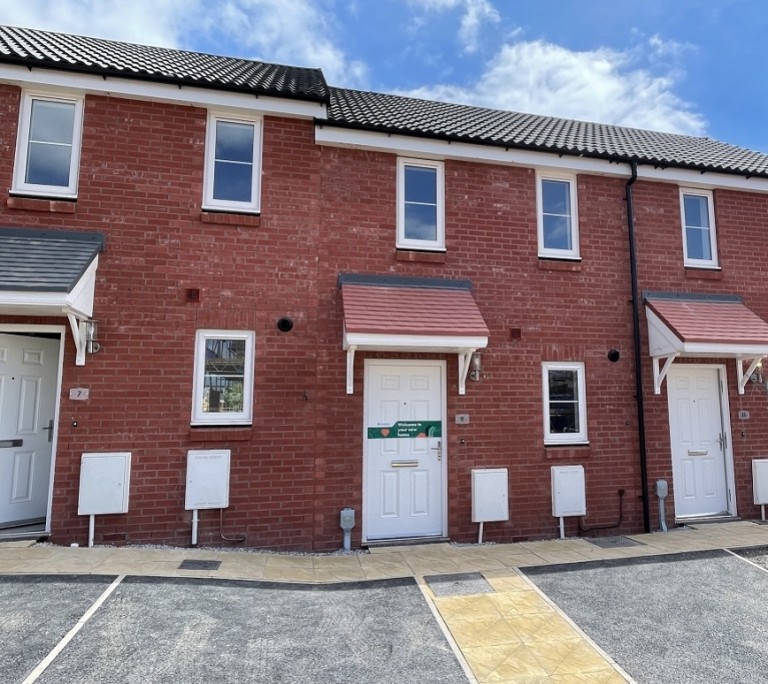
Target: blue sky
686, 66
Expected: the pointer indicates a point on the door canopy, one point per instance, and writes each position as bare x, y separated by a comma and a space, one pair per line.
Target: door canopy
416, 315
703, 326
50, 273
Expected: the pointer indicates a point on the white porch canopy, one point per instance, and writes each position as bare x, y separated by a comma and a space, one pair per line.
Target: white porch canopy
703, 326
50, 273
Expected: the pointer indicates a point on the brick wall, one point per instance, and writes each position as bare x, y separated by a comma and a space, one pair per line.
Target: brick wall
329, 210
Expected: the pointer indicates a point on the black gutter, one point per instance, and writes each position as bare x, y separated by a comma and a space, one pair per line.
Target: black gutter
638, 359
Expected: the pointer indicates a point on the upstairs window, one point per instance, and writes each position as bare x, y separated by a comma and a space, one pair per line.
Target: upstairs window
565, 403
48, 146
420, 205
558, 225
233, 164
223, 382
699, 243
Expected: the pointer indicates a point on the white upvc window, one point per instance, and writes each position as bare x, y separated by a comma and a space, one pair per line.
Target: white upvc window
565, 403
222, 392
232, 164
420, 204
698, 218
48, 145
557, 216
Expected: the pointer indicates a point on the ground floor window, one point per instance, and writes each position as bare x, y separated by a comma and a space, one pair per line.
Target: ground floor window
565, 405
223, 381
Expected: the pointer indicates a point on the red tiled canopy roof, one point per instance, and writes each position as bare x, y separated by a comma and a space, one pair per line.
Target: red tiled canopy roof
711, 321
400, 306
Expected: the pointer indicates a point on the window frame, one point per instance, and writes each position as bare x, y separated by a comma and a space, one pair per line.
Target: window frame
556, 438
438, 244
209, 201
244, 417
689, 261
19, 183
548, 252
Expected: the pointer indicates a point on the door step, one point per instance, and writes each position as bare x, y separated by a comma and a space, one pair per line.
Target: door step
706, 520
410, 541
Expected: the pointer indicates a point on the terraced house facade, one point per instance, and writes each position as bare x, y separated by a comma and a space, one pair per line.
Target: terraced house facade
236, 301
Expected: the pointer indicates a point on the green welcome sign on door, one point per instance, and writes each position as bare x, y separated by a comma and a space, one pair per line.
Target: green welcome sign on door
407, 429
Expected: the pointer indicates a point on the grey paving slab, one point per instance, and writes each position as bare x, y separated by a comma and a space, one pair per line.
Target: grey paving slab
171, 630
685, 618
36, 612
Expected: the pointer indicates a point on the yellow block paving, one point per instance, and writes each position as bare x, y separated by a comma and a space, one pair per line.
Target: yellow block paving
515, 636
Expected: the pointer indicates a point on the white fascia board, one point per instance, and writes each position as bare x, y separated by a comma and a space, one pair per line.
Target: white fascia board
33, 303
160, 92
709, 180
429, 148
441, 344
729, 351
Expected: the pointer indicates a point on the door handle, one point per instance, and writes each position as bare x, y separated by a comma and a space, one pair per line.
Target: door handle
50, 430
438, 449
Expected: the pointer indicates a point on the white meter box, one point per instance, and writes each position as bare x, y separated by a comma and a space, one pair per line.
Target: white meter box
760, 480
207, 479
104, 483
569, 496
490, 495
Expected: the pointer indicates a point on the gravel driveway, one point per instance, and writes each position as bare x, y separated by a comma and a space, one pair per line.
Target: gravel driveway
691, 618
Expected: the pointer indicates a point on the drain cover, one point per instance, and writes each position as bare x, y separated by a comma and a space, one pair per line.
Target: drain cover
458, 584
613, 542
199, 565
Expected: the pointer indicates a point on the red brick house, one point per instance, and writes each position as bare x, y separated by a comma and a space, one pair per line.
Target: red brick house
355, 300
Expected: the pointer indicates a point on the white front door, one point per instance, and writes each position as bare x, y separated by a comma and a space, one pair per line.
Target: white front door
404, 460
28, 390
699, 437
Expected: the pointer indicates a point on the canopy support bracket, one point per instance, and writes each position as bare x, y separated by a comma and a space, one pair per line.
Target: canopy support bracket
78, 335
351, 369
465, 358
659, 375
742, 376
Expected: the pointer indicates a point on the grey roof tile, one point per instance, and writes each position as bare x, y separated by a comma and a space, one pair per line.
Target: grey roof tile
411, 116
46, 49
45, 260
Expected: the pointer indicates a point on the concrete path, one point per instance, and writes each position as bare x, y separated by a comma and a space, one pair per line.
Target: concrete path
511, 632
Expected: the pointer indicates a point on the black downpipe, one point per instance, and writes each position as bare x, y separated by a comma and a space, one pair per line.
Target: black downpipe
638, 358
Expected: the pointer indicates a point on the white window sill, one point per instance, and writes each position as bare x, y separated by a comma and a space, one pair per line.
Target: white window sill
42, 194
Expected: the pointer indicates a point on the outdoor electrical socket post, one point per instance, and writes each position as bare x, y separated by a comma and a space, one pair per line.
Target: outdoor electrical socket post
347, 522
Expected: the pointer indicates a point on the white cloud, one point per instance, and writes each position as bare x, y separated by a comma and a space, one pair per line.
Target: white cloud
149, 22
602, 85
475, 14
296, 32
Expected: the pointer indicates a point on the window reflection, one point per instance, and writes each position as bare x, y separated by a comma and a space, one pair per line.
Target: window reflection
224, 376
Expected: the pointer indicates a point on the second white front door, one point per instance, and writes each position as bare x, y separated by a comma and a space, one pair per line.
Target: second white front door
699, 438
404, 460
